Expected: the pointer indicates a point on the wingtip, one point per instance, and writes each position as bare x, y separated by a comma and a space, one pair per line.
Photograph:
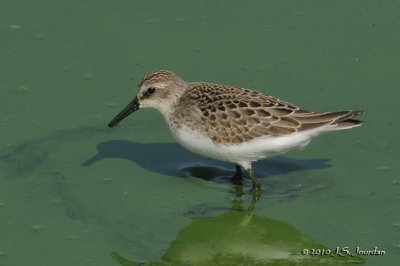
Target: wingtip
358, 112
349, 124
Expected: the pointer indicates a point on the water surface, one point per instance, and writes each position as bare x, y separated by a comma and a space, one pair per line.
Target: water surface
74, 192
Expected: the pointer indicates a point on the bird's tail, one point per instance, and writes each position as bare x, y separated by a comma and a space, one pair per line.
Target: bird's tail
347, 121
339, 119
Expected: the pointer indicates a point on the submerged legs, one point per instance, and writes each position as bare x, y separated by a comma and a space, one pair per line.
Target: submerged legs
256, 188
249, 170
256, 185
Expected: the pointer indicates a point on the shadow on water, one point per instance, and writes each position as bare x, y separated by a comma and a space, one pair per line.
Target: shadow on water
164, 158
54, 162
173, 160
241, 237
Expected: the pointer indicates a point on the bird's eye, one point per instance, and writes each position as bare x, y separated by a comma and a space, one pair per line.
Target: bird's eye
151, 90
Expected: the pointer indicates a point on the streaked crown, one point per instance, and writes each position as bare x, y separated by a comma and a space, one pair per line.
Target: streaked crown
161, 76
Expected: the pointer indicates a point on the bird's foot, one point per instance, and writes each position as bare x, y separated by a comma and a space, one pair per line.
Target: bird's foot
256, 187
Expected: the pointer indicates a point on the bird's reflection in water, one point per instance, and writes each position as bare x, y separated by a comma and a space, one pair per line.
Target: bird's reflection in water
241, 237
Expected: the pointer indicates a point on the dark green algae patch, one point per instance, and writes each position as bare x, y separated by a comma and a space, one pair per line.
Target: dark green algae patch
240, 237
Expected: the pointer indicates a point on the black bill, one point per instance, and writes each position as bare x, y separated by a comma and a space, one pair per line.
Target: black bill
129, 109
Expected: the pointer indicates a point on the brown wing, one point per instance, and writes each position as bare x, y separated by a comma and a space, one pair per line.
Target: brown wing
235, 115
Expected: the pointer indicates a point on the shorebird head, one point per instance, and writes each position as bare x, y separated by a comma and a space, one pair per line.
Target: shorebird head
159, 90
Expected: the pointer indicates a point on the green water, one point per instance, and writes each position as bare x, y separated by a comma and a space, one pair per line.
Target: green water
74, 192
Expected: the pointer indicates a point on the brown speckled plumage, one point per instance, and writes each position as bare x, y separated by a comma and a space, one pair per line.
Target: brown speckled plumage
231, 115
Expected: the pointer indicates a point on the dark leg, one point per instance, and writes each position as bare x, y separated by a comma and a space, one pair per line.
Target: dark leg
237, 177
238, 173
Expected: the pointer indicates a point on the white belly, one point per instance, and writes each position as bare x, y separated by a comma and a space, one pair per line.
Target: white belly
247, 152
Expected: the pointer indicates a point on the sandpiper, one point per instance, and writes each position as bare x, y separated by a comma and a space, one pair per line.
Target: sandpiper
231, 124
